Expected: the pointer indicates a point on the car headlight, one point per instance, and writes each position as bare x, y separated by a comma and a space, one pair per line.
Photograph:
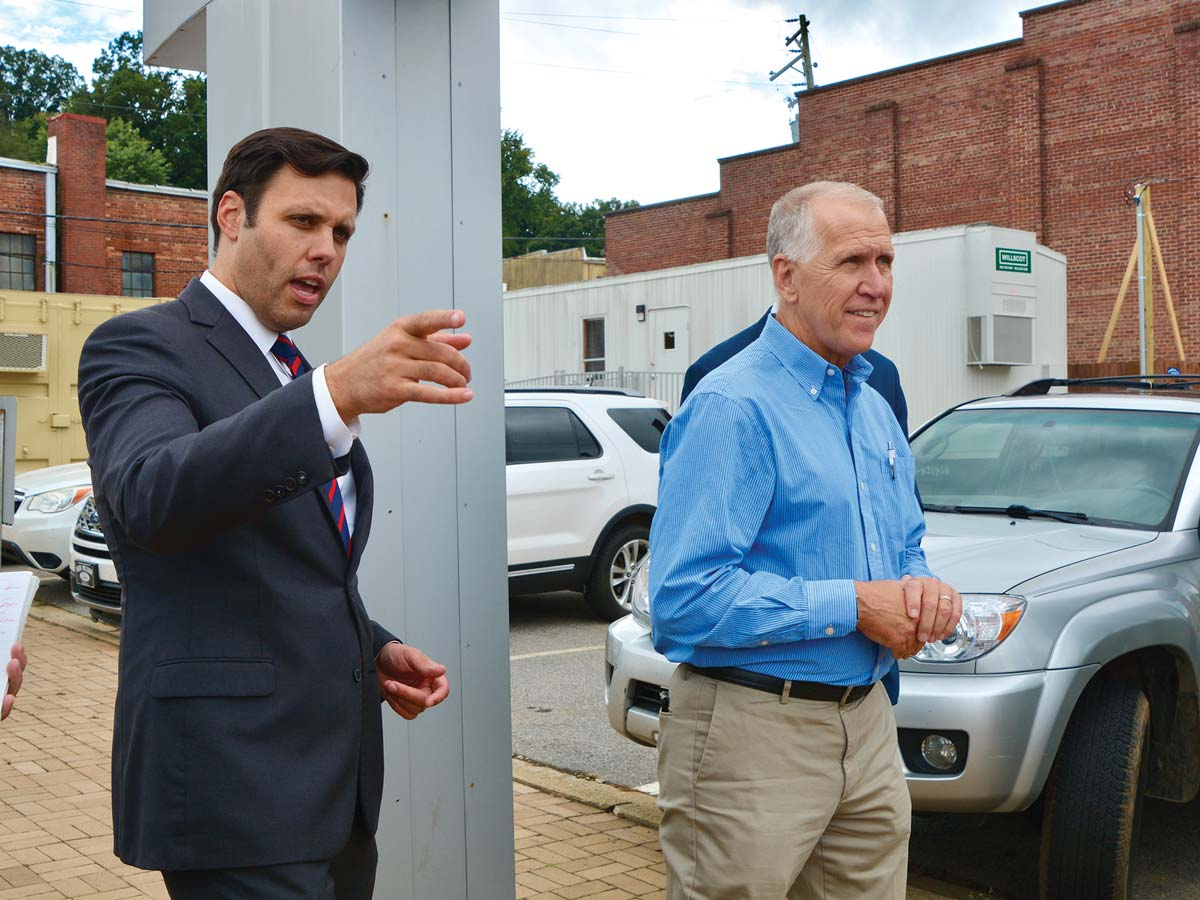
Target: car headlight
56, 501
639, 596
987, 619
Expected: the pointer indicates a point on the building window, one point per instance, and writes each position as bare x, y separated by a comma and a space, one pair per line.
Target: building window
16, 262
593, 345
137, 274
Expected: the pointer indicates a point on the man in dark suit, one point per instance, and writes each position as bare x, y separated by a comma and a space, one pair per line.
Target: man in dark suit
884, 377
236, 502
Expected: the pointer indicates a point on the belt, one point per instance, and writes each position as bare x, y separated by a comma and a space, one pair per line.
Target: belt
801, 690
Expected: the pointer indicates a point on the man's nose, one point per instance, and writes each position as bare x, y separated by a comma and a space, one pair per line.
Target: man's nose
323, 246
875, 281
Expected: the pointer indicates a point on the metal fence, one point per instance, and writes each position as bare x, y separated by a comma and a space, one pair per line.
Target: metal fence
662, 386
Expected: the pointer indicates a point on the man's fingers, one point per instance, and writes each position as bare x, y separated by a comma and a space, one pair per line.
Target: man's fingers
426, 323
441, 690
18, 651
14, 676
929, 610
427, 393
7, 707
912, 596
456, 339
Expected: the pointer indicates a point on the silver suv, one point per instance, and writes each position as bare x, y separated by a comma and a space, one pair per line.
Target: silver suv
1069, 523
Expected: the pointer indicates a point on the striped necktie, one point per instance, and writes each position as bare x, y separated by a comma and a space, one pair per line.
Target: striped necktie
289, 354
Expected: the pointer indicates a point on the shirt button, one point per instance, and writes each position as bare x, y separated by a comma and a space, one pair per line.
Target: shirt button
831, 371
830, 631
762, 643
357, 675
813, 391
873, 548
862, 485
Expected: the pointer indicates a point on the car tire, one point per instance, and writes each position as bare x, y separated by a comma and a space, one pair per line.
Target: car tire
1094, 796
608, 588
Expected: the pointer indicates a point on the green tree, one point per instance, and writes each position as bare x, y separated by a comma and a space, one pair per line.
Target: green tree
129, 156
165, 107
32, 82
24, 138
533, 217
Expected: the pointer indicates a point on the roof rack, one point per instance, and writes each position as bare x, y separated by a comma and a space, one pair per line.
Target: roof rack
1042, 386
563, 389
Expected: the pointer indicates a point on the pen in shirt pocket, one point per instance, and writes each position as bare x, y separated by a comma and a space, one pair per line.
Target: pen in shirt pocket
892, 459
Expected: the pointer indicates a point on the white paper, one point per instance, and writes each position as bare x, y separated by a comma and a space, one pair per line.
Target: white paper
16, 596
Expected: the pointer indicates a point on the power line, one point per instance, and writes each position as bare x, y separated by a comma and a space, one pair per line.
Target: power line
521, 62
578, 27
513, 12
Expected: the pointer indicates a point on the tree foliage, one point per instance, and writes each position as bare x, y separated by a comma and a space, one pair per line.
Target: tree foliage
164, 106
533, 217
129, 156
32, 82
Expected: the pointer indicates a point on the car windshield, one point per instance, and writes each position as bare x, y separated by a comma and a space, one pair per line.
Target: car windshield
1113, 466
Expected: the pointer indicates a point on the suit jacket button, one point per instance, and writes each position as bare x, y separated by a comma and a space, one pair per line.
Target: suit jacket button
357, 675
302, 477
269, 495
290, 483
280, 491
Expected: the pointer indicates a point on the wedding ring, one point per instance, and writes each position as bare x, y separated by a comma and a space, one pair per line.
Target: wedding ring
946, 597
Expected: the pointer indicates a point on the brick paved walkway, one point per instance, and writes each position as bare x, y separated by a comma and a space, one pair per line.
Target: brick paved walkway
56, 827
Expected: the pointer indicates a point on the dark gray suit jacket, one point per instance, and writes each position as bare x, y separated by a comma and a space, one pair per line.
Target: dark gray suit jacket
247, 727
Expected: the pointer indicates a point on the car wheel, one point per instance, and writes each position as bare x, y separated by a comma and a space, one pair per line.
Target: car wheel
1094, 796
610, 586
105, 618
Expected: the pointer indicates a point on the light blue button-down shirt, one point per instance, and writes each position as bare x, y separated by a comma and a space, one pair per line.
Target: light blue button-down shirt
783, 480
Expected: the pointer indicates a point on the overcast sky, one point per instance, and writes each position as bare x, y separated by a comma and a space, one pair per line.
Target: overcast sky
635, 99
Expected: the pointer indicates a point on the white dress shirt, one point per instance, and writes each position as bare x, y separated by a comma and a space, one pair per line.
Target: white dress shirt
339, 436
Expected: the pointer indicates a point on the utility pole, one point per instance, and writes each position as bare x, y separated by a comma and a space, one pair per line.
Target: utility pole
802, 55
800, 39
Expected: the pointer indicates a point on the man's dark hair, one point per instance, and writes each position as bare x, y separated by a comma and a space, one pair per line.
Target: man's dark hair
254, 160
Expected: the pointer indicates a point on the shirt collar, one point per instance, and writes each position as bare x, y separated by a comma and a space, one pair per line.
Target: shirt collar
263, 337
809, 370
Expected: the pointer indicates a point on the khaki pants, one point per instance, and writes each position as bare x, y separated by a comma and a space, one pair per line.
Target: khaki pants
764, 799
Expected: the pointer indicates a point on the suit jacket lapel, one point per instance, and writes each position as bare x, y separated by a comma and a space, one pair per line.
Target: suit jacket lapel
229, 338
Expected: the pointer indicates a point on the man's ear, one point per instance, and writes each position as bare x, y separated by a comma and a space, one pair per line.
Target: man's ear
231, 215
784, 273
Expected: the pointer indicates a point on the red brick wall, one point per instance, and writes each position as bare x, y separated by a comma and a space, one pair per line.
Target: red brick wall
24, 193
180, 252
1043, 133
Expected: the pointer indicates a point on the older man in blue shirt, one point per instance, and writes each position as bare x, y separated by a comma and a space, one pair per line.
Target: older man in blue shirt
788, 573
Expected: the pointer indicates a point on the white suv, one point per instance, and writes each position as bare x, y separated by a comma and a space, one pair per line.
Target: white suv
582, 474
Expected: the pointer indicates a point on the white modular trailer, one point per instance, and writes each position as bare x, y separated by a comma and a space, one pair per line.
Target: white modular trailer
976, 310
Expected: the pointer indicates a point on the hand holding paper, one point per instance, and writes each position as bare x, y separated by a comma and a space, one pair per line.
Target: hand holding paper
16, 596
14, 672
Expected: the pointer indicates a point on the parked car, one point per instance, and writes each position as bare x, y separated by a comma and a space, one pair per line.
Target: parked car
582, 486
94, 581
47, 504
582, 483
1069, 523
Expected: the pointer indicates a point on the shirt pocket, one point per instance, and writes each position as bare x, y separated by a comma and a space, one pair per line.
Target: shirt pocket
896, 498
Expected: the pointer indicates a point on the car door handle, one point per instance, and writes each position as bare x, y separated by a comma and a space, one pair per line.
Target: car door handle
601, 475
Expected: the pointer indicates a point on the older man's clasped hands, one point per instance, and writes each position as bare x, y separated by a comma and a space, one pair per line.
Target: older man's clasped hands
906, 614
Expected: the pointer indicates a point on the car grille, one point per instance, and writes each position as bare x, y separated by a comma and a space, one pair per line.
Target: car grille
89, 536
647, 696
95, 551
105, 595
18, 499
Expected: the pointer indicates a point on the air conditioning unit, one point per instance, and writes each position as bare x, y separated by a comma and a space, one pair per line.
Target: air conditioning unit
21, 352
1001, 296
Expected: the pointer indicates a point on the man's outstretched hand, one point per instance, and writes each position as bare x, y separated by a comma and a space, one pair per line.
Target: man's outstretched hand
396, 366
409, 680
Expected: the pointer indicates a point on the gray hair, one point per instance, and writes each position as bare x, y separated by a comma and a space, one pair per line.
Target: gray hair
790, 230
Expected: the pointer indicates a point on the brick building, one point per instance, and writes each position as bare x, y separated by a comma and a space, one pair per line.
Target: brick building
65, 227
1042, 133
